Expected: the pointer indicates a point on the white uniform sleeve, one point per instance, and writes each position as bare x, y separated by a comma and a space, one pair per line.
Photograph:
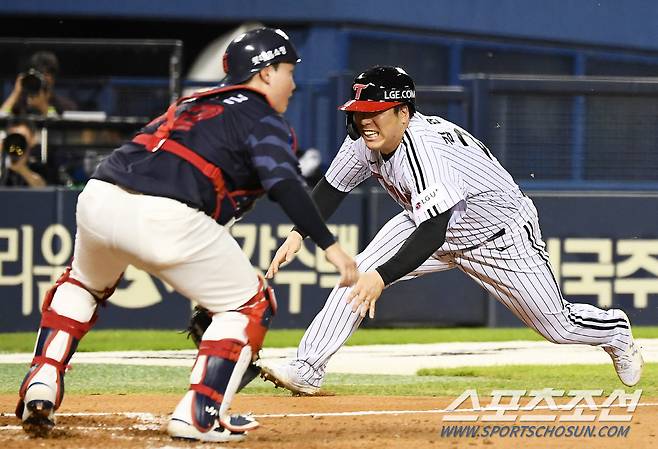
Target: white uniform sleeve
435, 187
348, 169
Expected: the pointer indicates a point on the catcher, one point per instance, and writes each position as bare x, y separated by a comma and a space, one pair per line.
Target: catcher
163, 202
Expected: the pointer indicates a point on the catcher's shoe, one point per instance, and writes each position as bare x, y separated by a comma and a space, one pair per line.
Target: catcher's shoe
628, 363
239, 423
286, 376
38, 410
182, 430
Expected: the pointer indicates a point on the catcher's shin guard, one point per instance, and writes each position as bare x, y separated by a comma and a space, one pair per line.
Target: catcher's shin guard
42, 389
223, 367
199, 322
260, 310
217, 372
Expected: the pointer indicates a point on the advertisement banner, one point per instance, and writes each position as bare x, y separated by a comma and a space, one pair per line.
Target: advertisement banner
603, 250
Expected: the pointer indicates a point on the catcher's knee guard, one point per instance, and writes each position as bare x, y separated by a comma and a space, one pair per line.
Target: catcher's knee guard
259, 309
57, 340
199, 322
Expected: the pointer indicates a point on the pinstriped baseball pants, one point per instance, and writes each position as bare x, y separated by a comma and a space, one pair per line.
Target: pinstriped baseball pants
513, 268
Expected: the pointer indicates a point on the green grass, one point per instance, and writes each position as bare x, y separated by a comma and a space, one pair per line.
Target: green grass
125, 340
107, 340
534, 377
126, 379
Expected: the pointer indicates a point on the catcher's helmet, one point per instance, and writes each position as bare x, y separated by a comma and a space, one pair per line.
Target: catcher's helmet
254, 50
378, 89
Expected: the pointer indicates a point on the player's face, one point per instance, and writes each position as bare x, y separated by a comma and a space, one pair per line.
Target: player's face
382, 131
283, 85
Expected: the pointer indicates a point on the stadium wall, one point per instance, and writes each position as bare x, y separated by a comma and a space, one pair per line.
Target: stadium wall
602, 251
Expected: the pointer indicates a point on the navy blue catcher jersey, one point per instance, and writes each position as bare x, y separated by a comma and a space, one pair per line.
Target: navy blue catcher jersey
237, 130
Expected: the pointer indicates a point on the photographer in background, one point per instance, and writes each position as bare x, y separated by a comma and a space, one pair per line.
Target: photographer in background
16, 169
34, 89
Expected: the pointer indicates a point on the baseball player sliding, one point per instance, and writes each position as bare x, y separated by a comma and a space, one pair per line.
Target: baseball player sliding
163, 203
460, 209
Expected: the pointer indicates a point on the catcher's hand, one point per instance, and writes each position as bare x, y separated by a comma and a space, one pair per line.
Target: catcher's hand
285, 254
199, 322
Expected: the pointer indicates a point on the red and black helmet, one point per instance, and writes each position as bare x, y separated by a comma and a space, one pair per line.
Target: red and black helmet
378, 89
254, 50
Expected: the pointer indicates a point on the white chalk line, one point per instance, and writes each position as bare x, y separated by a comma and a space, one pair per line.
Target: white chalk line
433, 411
89, 428
149, 421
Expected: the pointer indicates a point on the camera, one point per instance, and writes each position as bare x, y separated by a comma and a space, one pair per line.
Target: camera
14, 146
33, 81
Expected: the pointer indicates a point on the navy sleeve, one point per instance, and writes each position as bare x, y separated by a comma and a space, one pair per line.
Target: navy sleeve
297, 204
327, 198
270, 147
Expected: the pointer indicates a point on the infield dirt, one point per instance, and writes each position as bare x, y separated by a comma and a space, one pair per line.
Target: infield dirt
405, 430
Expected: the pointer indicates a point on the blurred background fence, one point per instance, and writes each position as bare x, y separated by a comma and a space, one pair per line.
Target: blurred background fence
559, 132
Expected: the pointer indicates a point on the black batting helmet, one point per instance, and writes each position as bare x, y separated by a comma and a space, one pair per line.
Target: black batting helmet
254, 50
378, 89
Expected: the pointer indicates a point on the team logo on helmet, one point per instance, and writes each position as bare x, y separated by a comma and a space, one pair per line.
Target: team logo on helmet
399, 94
268, 55
357, 89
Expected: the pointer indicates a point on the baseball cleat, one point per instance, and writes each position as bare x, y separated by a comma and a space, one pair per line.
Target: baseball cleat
285, 376
628, 363
37, 410
38, 418
182, 430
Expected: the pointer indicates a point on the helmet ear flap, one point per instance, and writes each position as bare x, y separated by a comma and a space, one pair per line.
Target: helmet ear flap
352, 130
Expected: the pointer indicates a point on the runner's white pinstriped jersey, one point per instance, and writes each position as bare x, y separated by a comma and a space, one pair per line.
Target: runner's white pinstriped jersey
438, 166
461, 209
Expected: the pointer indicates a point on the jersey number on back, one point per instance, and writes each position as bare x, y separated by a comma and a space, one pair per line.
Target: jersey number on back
463, 135
239, 98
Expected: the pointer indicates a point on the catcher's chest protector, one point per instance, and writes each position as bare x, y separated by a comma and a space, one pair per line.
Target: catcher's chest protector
229, 204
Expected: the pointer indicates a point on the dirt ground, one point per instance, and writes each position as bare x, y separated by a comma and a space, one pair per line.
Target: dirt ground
404, 430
